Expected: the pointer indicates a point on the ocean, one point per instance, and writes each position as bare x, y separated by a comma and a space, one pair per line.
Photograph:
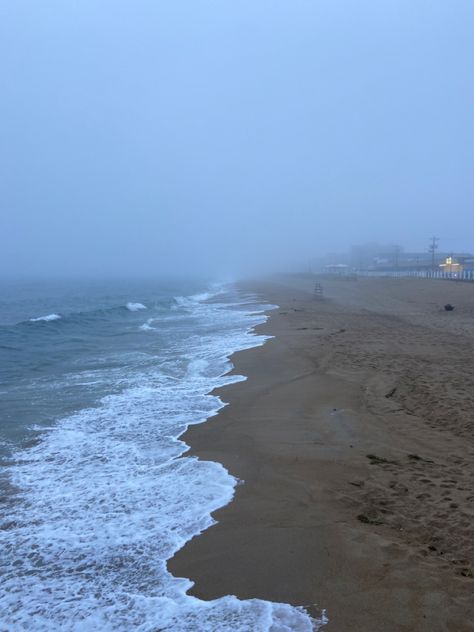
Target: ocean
98, 380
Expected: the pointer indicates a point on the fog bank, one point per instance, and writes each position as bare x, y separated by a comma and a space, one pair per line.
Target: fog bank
220, 137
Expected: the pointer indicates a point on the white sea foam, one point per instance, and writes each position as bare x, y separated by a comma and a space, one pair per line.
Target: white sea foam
135, 307
190, 301
47, 318
203, 296
147, 326
107, 497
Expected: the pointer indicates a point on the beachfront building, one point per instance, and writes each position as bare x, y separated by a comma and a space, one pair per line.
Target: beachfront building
457, 265
338, 269
451, 265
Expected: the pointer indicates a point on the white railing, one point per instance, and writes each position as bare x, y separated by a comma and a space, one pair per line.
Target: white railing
465, 275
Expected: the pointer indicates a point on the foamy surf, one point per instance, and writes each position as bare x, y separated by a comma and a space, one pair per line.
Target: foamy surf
46, 319
135, 307
147, 326
107, 497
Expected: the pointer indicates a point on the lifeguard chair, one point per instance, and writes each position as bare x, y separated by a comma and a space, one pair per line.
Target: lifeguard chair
318, 291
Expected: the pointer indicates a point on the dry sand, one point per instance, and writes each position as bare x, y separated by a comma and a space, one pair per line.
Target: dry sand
354, 435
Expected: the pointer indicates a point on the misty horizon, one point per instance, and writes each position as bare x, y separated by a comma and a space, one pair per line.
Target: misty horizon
227, 138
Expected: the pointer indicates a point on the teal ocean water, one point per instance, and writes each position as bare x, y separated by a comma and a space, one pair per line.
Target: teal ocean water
98, 380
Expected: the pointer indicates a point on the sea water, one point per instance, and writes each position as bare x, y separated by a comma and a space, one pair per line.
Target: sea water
98, 380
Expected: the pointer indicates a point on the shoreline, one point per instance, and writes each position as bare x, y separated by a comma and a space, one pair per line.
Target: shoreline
355, 494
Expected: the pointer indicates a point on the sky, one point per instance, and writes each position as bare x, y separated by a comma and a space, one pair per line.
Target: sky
153, 136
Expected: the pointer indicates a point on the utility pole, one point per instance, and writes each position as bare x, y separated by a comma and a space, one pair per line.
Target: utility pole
396, 253
433, 247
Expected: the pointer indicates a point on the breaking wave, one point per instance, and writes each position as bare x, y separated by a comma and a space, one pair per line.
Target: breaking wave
135, 307
107, 496
46, 319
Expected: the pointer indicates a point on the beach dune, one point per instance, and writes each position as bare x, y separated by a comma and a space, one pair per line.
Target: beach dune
354, 436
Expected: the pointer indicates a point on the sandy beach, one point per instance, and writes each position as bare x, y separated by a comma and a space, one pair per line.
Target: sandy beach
354, 436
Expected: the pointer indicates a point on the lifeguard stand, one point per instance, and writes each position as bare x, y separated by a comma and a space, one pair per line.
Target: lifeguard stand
318, 292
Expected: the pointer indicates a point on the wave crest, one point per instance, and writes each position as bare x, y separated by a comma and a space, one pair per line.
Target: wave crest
135, 307
46, 319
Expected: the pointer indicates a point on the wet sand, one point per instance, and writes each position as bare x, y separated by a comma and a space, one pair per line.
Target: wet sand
354, 434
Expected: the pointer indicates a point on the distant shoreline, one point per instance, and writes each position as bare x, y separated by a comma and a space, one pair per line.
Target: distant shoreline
353, 434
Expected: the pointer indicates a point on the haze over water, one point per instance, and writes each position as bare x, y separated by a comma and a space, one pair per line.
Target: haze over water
227, 137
